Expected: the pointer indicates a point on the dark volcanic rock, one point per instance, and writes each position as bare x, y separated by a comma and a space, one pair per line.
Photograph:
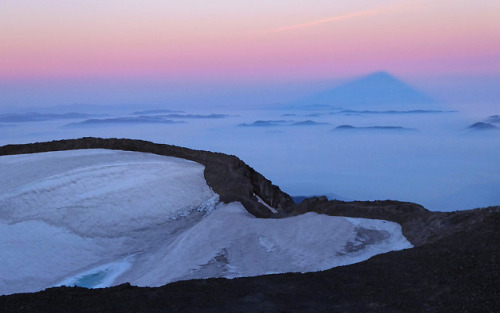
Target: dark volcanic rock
457, 273
419, 225
455, 266
227, 175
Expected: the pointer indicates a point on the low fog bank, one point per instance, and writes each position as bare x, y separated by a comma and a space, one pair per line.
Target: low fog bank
428, 155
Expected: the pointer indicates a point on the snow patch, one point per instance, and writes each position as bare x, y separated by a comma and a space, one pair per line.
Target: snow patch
99, 218
61, 212
273, 210
252, 246
111, 193
267, 244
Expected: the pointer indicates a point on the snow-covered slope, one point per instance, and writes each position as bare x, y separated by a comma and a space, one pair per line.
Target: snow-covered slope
98, 218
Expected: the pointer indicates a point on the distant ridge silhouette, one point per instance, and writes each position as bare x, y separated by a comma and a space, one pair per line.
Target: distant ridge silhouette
379, 89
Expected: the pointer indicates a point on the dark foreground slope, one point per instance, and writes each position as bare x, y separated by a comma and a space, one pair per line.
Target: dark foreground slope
457, 273
455, 266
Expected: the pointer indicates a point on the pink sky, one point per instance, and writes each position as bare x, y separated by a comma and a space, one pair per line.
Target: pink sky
222, 39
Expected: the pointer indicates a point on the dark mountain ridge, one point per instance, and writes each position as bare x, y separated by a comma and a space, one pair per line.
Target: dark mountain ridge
227, 175
454, 267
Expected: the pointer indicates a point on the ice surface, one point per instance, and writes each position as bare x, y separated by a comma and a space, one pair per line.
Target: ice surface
242, 245
63, 213
93, 192
99, 277
98, 218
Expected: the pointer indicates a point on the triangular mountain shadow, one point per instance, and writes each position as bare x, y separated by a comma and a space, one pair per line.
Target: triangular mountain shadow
379, 90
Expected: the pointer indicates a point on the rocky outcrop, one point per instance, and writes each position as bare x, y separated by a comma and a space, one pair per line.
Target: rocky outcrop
227, 175
419, 225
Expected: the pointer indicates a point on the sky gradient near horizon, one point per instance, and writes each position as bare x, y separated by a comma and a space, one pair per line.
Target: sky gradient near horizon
227, 40
258, 61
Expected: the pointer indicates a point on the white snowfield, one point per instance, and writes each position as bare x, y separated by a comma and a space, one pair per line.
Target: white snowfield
98, 218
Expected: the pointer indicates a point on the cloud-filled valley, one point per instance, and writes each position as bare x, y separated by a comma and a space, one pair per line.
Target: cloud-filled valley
376, 158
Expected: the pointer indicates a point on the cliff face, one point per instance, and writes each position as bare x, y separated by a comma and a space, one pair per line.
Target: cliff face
227, 175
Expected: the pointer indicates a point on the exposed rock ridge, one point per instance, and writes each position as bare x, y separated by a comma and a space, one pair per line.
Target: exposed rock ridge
455, 266
234, 180
419, 225
226, 174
